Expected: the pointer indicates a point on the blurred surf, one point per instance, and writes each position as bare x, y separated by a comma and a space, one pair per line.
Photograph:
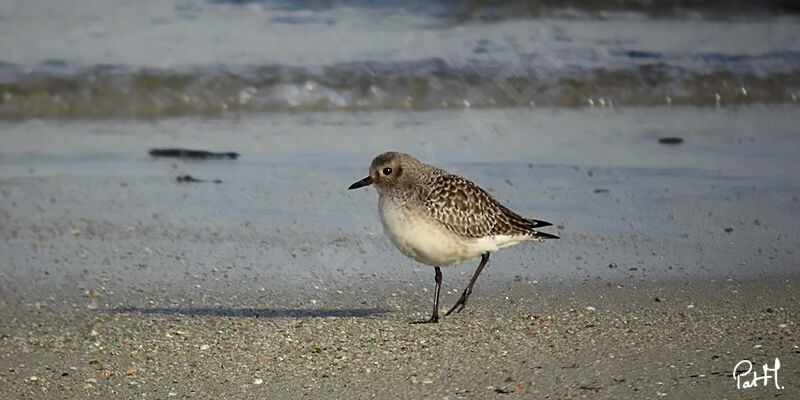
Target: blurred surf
49, 91
153, 59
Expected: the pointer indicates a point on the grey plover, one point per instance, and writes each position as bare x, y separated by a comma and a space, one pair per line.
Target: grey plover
441, 219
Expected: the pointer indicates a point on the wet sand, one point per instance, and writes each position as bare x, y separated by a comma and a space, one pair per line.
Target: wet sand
676, 261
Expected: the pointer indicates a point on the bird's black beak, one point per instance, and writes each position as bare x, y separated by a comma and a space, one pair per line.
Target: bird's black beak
364, 182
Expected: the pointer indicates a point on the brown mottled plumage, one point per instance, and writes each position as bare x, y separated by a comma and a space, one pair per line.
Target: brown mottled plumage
466, 209
439, 219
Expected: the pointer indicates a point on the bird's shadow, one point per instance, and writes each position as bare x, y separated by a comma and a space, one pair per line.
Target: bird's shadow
255, 312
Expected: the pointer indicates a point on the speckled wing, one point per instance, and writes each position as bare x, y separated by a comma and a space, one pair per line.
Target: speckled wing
469, 211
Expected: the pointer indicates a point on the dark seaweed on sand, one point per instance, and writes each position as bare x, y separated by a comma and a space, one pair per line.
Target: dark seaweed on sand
193, 154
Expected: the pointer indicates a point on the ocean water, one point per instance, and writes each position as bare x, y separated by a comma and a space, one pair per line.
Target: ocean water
149, 59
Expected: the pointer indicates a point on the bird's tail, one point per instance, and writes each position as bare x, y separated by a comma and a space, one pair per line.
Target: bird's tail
527, 225
542, 235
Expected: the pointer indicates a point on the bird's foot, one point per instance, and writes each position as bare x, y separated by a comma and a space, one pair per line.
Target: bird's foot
433, 320
459, 304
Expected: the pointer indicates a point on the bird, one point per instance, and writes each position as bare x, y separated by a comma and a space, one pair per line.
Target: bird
442, 219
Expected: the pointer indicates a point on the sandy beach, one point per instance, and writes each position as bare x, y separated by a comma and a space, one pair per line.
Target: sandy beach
676, 261
659, 137
557, 341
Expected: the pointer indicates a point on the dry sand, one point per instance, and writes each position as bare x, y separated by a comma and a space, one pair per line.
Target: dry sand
672, 340
675, 263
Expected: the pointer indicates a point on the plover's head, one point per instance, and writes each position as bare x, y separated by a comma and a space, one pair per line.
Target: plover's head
392, 170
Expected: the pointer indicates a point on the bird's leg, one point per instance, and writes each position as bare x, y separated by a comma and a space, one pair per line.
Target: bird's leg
464, 296
435, 317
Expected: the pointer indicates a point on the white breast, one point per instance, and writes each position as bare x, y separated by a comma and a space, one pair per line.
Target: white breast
422, 238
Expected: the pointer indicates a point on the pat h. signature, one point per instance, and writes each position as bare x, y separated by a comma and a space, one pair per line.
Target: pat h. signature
743, 376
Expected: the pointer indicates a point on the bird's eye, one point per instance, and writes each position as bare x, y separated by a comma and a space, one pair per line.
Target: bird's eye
387, 171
